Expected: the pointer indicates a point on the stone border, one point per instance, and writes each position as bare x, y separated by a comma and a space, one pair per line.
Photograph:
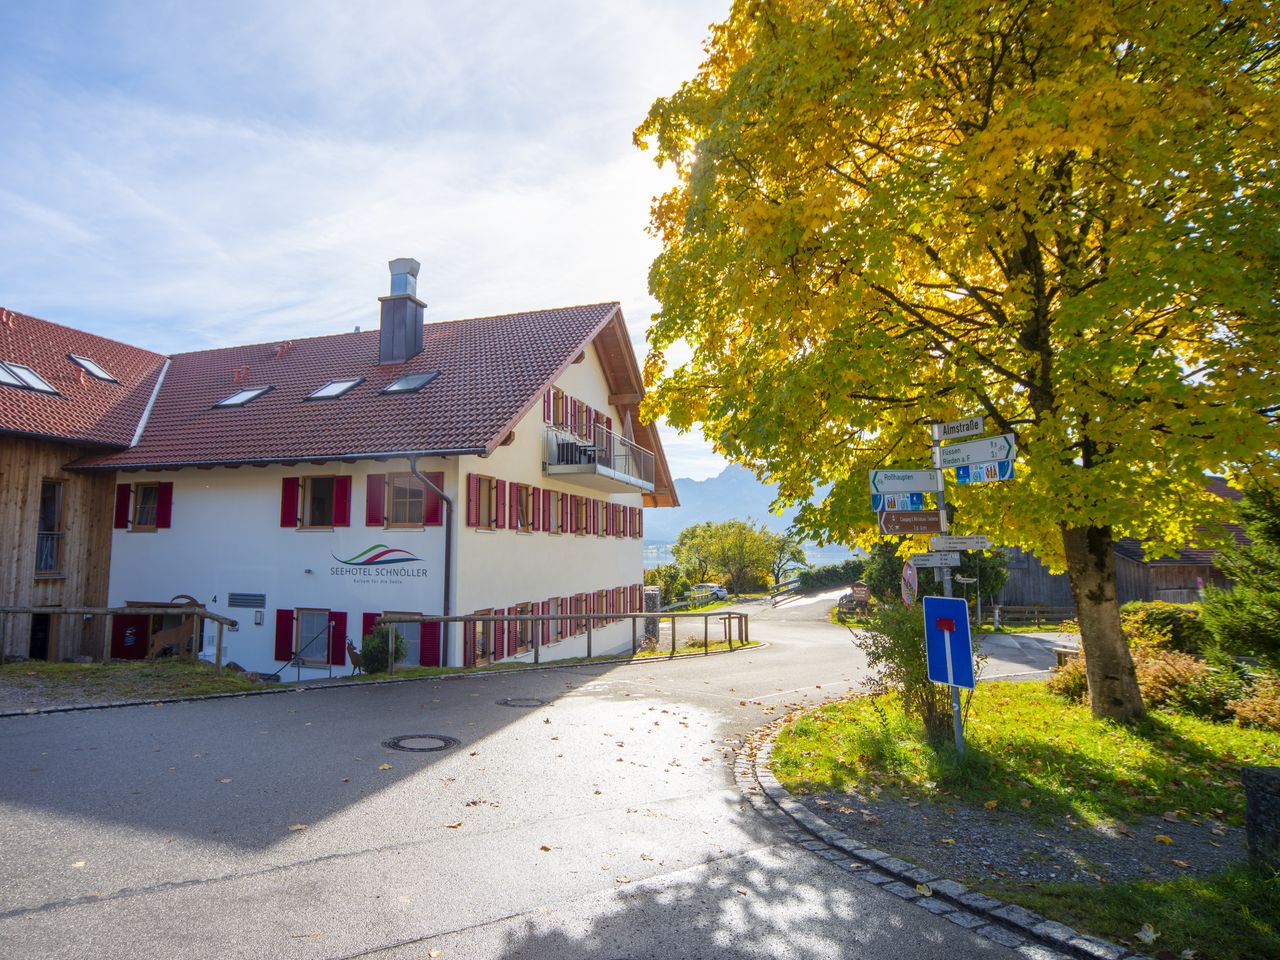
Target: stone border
1009, 925
347, 684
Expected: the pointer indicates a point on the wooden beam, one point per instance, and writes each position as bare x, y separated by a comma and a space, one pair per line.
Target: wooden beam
625, 399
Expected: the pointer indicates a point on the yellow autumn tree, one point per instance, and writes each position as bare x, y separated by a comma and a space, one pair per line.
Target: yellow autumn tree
1061, 216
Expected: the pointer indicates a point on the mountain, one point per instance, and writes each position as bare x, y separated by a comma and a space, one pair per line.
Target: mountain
733, 495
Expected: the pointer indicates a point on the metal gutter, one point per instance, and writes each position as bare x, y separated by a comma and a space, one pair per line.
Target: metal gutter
448, 553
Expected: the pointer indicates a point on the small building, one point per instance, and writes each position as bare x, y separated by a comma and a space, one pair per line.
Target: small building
64, 394
492, 466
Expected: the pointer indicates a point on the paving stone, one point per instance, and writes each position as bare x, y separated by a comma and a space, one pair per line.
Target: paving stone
921, 875
813, 844
980, 901
934, 905
949, 887
847, 843
873, 855
874, 876
894, 865
1000, 935
831, 835
900, 889
965, 919
829, 854
1057, 932
1019, 916
1098, 948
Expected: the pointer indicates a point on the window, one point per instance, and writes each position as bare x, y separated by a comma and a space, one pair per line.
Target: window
92, 367
523, 504
407, 495
580, 516
312, 640
49, 530
334, 388
318, 502
25, 377
411, 382
485, 508
555, 627
523, 629
580, 609
559, 407
410, 634
482, 632
554, 523
241, 397
146, 497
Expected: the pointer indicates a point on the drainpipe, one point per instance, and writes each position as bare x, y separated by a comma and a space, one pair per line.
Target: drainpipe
448, 554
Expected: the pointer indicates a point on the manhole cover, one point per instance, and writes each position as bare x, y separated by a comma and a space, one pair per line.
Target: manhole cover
522, 702
405, 743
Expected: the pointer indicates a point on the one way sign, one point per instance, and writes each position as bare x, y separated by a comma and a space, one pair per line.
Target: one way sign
946, 641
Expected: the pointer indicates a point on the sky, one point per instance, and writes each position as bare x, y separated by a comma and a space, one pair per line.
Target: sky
180, 176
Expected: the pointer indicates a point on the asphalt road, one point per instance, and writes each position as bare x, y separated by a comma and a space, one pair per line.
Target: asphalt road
604, 824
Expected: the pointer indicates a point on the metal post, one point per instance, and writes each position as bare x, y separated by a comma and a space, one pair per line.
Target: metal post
588, 636
977, 573
673, 635
957, 722
106, 638
706, 634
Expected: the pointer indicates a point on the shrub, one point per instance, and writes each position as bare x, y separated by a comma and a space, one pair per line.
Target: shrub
1070, 681
1204, 688
1165, 675
1260, 707
373, 650
832, 575
1177, 626
895, 649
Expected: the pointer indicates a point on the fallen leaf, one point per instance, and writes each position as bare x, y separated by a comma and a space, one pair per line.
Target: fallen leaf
1164, 838
949, 842
346, 780
991, 804
454, 826
384, 766
1181, 863
1170, 816
1147, 934
297, 826
1187, 954
78, 864
924, 890
544, 848
1025, 803
434, 952
306, 936
623, 879
225, 780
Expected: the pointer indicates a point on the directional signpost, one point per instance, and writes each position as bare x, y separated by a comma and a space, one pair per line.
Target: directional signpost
974, 451
985, 472
912, 521
946, 558
968, 427
949, 651
959, 543
907, 481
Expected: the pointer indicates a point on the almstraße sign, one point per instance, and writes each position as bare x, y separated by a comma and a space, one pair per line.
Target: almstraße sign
955, 429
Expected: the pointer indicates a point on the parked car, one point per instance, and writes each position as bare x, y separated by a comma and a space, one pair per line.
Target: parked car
717, 592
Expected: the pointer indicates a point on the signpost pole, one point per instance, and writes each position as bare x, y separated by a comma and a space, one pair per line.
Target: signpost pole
957, 723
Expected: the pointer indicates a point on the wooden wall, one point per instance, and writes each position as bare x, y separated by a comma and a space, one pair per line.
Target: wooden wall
86, 546
1031, 583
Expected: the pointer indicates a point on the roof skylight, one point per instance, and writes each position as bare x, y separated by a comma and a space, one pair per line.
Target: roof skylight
411, 382
92, 367
241, 397
334, 388
9, 379
26, 378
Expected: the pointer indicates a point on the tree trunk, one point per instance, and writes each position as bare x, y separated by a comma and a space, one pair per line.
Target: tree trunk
1113, 684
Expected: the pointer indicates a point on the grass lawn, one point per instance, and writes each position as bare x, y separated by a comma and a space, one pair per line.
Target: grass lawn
1028, 749
1034, 754
66, 683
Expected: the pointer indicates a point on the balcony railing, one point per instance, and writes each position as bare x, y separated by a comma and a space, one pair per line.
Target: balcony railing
605, 456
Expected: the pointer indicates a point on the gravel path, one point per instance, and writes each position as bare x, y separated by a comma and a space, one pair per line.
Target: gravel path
977, 845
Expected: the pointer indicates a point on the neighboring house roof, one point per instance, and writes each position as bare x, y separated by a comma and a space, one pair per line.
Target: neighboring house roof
86, 409
491, 372
1132, 549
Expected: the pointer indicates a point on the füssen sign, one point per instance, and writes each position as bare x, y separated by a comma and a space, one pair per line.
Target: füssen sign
974, 451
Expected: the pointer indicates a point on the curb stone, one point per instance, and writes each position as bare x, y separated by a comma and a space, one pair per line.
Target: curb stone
1031, 935
347, 684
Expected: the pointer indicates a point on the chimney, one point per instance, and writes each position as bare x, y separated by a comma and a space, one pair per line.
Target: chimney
401, 314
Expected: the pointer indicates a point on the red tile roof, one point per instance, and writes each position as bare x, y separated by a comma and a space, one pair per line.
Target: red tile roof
86, 410
492, 370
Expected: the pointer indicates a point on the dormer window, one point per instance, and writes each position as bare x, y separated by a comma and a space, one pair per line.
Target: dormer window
16, 375
92, 368
411, 382
241, 397
334, 388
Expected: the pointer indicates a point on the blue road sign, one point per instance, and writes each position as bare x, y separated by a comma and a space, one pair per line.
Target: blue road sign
985, 472
897, 501
946, 641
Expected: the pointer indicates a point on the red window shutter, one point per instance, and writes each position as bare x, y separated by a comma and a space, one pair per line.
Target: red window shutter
500, 505
608, 424
342, 506
499, 636
566, 623
514, 510
284, 634
375, 492
564, 513
469, 644
338, 631
535, 507
473, 500
164, 505
123, 492
595, 517
289, 501
546, 622
573, 513
429, 646
432, 505
573, 415
546, 407
608, 519
513, 631
546, 511
639, 522
368, 623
